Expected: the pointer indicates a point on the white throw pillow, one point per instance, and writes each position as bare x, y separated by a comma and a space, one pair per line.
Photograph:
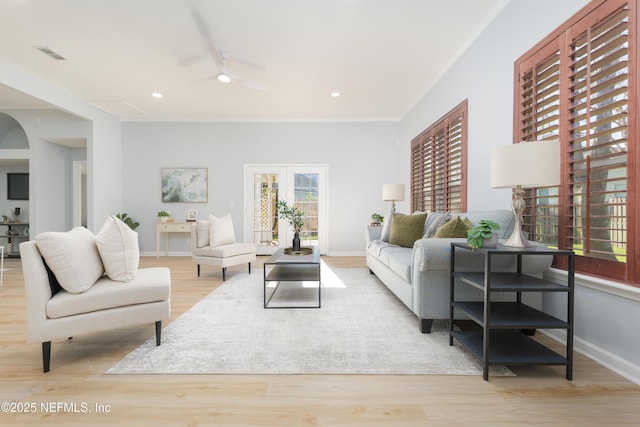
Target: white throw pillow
221, 230
118, 247
73, 257
202, 233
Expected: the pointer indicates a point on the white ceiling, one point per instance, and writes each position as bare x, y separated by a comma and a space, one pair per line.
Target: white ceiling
380, 55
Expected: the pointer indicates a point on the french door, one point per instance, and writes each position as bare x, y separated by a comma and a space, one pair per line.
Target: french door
303, 186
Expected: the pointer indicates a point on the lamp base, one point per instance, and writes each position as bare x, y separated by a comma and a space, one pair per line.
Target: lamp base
517, 238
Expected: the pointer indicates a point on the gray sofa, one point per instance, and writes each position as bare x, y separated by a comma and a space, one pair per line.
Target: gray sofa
420, 276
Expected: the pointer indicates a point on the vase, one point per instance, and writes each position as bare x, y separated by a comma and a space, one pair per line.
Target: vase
491, 242
296, 242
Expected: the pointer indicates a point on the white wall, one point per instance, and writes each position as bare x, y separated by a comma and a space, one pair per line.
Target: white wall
361, 157
605, 321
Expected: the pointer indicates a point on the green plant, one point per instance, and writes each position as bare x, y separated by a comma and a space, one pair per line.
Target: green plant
484, 230
163, 213
132, 223
293, 215
376, 217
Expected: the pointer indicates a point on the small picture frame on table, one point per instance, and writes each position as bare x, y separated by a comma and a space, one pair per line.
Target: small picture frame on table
192, 215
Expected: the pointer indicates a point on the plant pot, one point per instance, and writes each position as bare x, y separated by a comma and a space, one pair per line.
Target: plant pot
491, 242
164, 218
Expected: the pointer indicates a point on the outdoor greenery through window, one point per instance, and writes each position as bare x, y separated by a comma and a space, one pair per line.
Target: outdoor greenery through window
575, 86
438, 164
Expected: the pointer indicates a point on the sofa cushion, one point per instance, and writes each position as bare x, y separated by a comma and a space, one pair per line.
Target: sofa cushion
118, 248
406, 229
225, 251
221, 231
149, 285
435, 220
400, 263
454, 228
73, 257
386, 229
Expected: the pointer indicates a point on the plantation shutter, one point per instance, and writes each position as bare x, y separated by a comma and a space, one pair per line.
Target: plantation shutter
438, 165
598, 139
540, 119
575, 86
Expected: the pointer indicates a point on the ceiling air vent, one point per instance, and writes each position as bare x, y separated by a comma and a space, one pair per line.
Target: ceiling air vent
50, 53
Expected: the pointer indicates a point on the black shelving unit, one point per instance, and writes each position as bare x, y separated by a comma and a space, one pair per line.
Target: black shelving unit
505, 327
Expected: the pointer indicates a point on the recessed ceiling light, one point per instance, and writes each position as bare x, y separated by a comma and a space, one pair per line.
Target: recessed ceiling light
156, 95
335, 94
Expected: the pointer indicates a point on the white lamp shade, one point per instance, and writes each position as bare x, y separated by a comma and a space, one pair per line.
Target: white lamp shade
392, 192
529, 164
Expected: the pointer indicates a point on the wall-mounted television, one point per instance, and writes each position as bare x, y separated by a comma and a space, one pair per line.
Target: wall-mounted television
18, 186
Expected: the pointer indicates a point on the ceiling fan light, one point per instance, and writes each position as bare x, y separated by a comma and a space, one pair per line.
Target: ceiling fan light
223, 77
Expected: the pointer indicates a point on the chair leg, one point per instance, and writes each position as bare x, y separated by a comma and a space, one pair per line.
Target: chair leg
158, 332
224, 270
249, 268
46, 356
198, 270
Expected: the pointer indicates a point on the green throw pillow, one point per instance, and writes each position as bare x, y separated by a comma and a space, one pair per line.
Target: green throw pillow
406, 229
455, 228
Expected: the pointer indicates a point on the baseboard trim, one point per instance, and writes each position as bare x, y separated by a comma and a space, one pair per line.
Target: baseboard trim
611, 361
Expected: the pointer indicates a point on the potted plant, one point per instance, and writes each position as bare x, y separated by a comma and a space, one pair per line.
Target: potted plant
483, 234
164, 216
295, 217
376, 219
132, 223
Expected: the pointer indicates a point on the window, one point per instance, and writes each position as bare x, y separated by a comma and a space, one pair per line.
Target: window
439, 165
575, 86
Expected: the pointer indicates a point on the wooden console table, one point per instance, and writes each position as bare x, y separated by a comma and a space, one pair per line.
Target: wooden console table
169, 227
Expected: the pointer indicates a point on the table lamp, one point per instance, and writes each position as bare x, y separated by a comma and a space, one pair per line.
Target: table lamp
527, 164
393, 193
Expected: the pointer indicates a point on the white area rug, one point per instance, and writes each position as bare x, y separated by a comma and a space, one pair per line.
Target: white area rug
362, 328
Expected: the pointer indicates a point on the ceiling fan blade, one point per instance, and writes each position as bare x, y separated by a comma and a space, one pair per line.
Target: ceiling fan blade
208, 41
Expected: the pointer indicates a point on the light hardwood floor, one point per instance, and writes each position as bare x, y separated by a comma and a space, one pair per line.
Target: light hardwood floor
536, 396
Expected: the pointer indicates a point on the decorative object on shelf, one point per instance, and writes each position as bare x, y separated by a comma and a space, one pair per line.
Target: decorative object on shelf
295, 217
483, 234
16, 213
526, 164
301, 251
376, 220
164, 216
185, 185
393, 193
5, 219
192, 215
132, 223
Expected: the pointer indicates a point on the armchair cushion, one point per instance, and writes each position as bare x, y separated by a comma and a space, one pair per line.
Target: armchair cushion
225, 251
202, 233
118, 249
62, 252
221, 231
150, 285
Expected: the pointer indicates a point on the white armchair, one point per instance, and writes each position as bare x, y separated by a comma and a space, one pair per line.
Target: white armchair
220, 251
54, 312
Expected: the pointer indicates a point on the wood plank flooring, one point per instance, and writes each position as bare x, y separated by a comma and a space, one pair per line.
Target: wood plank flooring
536, 396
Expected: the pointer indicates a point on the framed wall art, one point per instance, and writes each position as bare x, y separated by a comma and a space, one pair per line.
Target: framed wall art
185, 185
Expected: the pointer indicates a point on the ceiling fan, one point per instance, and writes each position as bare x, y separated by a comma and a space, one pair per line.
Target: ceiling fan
220, 57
